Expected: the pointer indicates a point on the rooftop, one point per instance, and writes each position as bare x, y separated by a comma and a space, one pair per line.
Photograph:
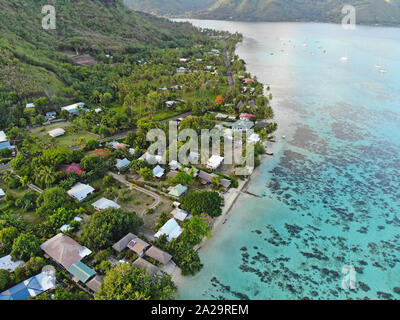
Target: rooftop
65, 250
158, 255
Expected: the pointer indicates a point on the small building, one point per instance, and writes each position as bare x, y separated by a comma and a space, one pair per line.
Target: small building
73, 108
123, 243
81, 272
179, 214
221, 116
158, 255
214, 162
31, 287
2, 194
175, 165
151, 158
205, 177
172, 174
149, 267
30, 105
104, 204
95, 283
178, 191
4, 143
73, 167
183, 60
171, 229
138, 246
170, 103
65, 250
158, 172
246, 116
242, 125
6, 263
80, 191
51, 115
181, 70
248, 80
56, 133
122, 163
225, 183
117, 145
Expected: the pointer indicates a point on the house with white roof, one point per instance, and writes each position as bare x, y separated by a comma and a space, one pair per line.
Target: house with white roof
171, 229
6, 263
122, 163
151, 158
56, 133
80, 191
214, 162
73, 108
175, 165
4, 143
158, 172
2, 193
180, 214
181, 70
30, 105
104, 203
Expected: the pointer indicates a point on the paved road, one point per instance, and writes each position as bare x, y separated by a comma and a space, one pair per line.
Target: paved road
156, 197
231, 79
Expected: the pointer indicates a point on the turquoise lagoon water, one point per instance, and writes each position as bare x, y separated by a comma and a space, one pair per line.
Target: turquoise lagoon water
330, 196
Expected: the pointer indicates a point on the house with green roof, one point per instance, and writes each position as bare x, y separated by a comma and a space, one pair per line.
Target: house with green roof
81, 272
178, 191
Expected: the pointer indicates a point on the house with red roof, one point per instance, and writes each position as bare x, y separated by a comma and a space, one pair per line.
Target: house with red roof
73, 167
246, 116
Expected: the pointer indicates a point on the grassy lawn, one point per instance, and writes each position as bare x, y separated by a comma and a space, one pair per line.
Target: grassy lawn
70, 139
30, 216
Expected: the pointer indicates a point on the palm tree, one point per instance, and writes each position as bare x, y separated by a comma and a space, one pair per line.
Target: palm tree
45, 176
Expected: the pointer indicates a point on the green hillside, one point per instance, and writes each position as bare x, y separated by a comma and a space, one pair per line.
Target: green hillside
383, 12
169, 7
35, 62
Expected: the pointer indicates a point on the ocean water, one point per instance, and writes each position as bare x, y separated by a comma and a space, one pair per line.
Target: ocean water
331, 194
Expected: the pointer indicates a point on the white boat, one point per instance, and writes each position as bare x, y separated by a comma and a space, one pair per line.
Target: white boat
344, 59
382, 70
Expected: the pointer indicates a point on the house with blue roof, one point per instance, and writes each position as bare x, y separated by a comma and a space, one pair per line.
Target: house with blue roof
122, 163
158, 172
30, 288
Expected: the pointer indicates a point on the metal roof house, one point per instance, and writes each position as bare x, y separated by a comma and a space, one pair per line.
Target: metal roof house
2, 193
65, 250
31, 287
6, 263
123, 243
158, 255
56, 133
29, 105
179, 214
80, 191
73, 108
178, 191
143, 264
171, 228
138, 246
158, 172
81, 272
104, 203
214, 162
122, 163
